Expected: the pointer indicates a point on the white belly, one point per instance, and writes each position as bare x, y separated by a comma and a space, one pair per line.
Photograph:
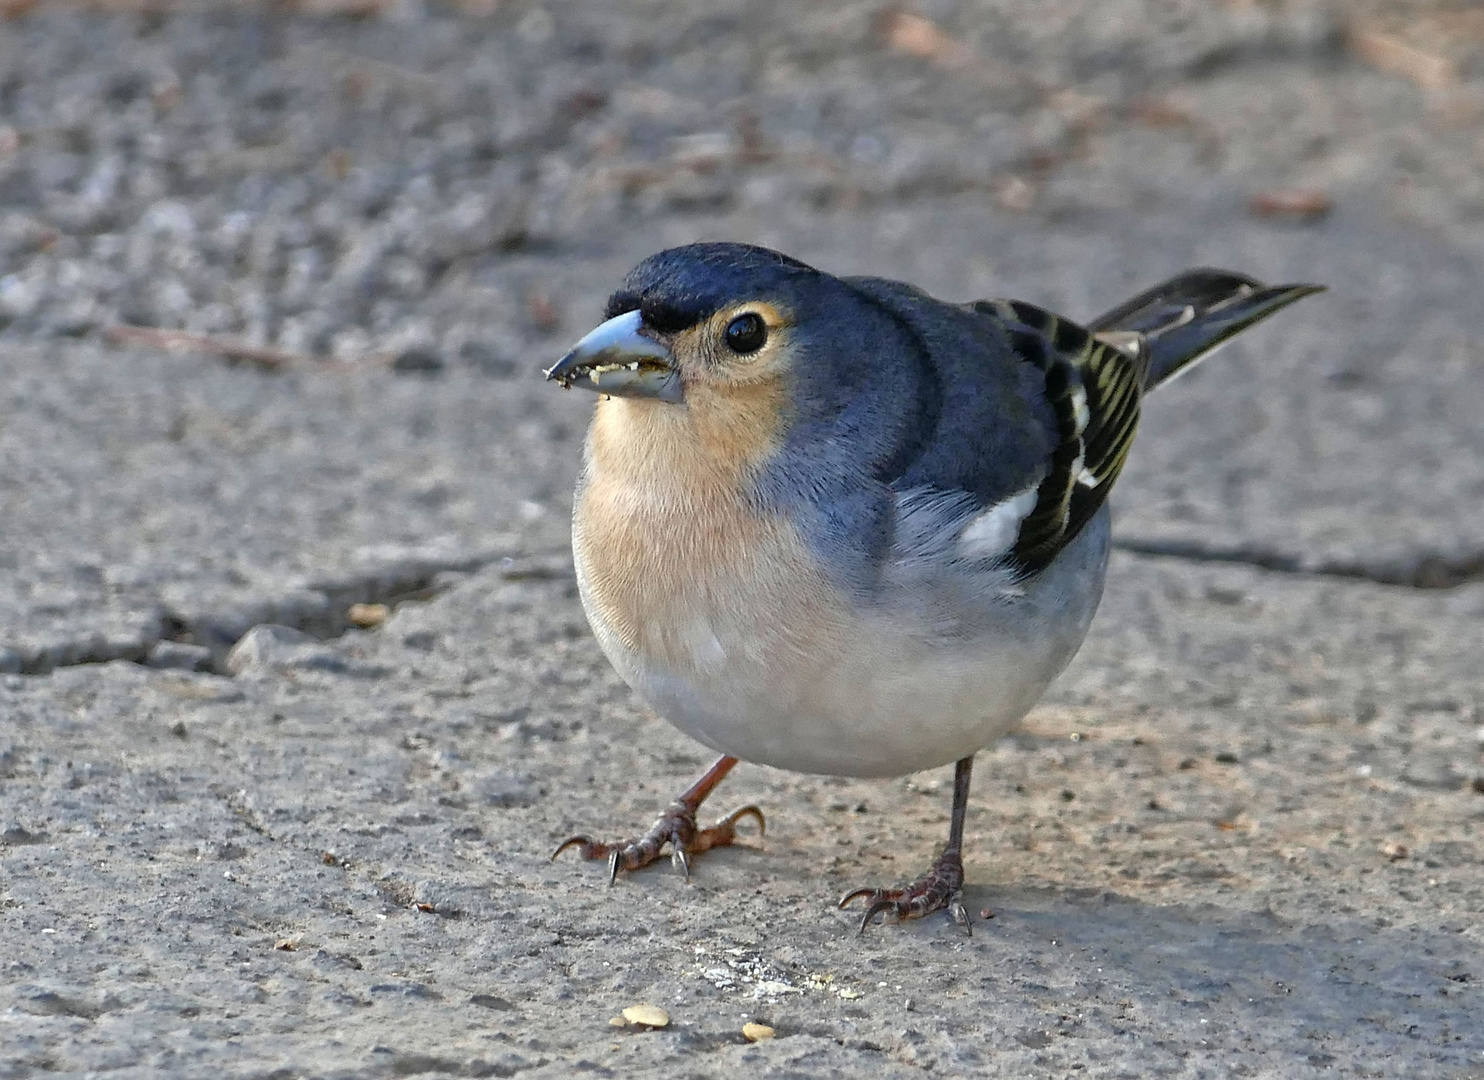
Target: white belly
903, 684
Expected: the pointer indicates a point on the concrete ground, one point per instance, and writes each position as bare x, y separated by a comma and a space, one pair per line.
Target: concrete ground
1240, 836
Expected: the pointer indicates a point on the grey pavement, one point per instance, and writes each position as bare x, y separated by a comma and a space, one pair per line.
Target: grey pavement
1239, 838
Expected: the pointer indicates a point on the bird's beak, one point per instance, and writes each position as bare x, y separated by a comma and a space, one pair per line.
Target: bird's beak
617, 359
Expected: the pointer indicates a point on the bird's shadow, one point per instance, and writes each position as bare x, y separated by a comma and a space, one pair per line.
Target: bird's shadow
1379, 989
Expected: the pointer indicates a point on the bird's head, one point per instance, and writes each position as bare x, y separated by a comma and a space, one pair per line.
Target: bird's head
746, 349
704, 317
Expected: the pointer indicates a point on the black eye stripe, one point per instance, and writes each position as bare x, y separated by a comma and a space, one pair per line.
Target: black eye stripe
746, 333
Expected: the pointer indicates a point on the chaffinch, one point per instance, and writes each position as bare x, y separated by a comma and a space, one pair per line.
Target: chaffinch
836, 526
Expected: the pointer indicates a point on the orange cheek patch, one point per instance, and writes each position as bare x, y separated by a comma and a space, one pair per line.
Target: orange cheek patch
739, 425
721, 436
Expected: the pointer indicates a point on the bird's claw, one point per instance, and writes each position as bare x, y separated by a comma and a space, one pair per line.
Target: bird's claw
588, 845
677, 827
941, 887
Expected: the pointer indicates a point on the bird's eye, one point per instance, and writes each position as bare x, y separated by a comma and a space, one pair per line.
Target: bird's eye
746, 333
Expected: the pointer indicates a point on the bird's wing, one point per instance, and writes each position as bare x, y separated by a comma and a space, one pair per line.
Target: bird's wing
1036, 421
1039, 412
1094, 390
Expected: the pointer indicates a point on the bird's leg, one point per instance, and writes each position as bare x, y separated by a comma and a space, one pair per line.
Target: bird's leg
675, 826
942, 885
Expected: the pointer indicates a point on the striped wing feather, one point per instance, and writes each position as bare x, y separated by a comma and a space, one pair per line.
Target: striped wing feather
1094, 389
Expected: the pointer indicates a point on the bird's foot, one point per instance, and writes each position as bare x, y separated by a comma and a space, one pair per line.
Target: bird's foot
677, 827
942, 886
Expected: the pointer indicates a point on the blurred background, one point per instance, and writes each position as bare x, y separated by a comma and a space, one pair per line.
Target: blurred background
414, 182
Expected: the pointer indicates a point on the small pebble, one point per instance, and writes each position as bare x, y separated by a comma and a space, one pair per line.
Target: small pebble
646, 1016
368, 616
179, 655
1294, 204
754, 1032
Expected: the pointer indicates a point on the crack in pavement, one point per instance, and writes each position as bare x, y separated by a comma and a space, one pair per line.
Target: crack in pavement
320, 611
1424, 571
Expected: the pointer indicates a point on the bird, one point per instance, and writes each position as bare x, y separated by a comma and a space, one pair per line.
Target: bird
836, 526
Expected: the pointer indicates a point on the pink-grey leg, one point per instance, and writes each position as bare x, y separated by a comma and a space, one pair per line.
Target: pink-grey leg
675, 826
942, 886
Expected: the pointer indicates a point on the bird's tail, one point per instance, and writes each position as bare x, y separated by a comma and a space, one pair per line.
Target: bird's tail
1185, 319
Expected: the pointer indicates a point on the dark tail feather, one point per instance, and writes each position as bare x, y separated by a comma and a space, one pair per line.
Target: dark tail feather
1184, 319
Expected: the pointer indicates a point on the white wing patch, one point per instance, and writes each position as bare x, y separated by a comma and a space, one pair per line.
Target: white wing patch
995, 531
1079, 404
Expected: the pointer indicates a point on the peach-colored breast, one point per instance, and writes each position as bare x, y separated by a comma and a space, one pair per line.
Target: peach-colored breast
720, 616
672, 552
